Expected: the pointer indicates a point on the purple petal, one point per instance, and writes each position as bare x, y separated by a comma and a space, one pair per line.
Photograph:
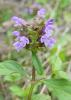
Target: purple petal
18, 21
51, 42
45, 37
24, 39
17, 46
14, 18
41, 12
16, 33
48, 42
48, 31
21, 43
50, 22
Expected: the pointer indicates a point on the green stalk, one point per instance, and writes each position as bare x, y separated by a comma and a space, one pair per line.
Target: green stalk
32, 84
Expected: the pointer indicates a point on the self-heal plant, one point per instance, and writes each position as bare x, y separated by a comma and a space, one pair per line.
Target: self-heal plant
29, 37
32, 35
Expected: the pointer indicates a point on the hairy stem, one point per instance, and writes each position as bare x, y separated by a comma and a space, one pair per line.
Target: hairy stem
32, 84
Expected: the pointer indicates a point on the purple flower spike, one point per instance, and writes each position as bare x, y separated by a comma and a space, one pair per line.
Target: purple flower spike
23, 41
16, 33
18, 21
41, 13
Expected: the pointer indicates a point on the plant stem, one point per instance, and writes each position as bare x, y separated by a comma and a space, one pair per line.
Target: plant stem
32, 84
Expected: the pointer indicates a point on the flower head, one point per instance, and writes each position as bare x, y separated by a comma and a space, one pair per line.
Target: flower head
41, 13
46, 36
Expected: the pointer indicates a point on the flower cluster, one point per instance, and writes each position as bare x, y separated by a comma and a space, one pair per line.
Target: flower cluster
21, 41
45, 37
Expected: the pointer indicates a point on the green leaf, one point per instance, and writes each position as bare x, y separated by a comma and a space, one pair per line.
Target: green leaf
60, 88
41, 97
37, 64
60, 75
16, 90
13, 77
56, 63
10, 68
64, 3
62, 55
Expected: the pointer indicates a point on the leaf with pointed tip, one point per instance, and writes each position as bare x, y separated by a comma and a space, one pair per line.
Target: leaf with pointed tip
61, 88
10, 67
